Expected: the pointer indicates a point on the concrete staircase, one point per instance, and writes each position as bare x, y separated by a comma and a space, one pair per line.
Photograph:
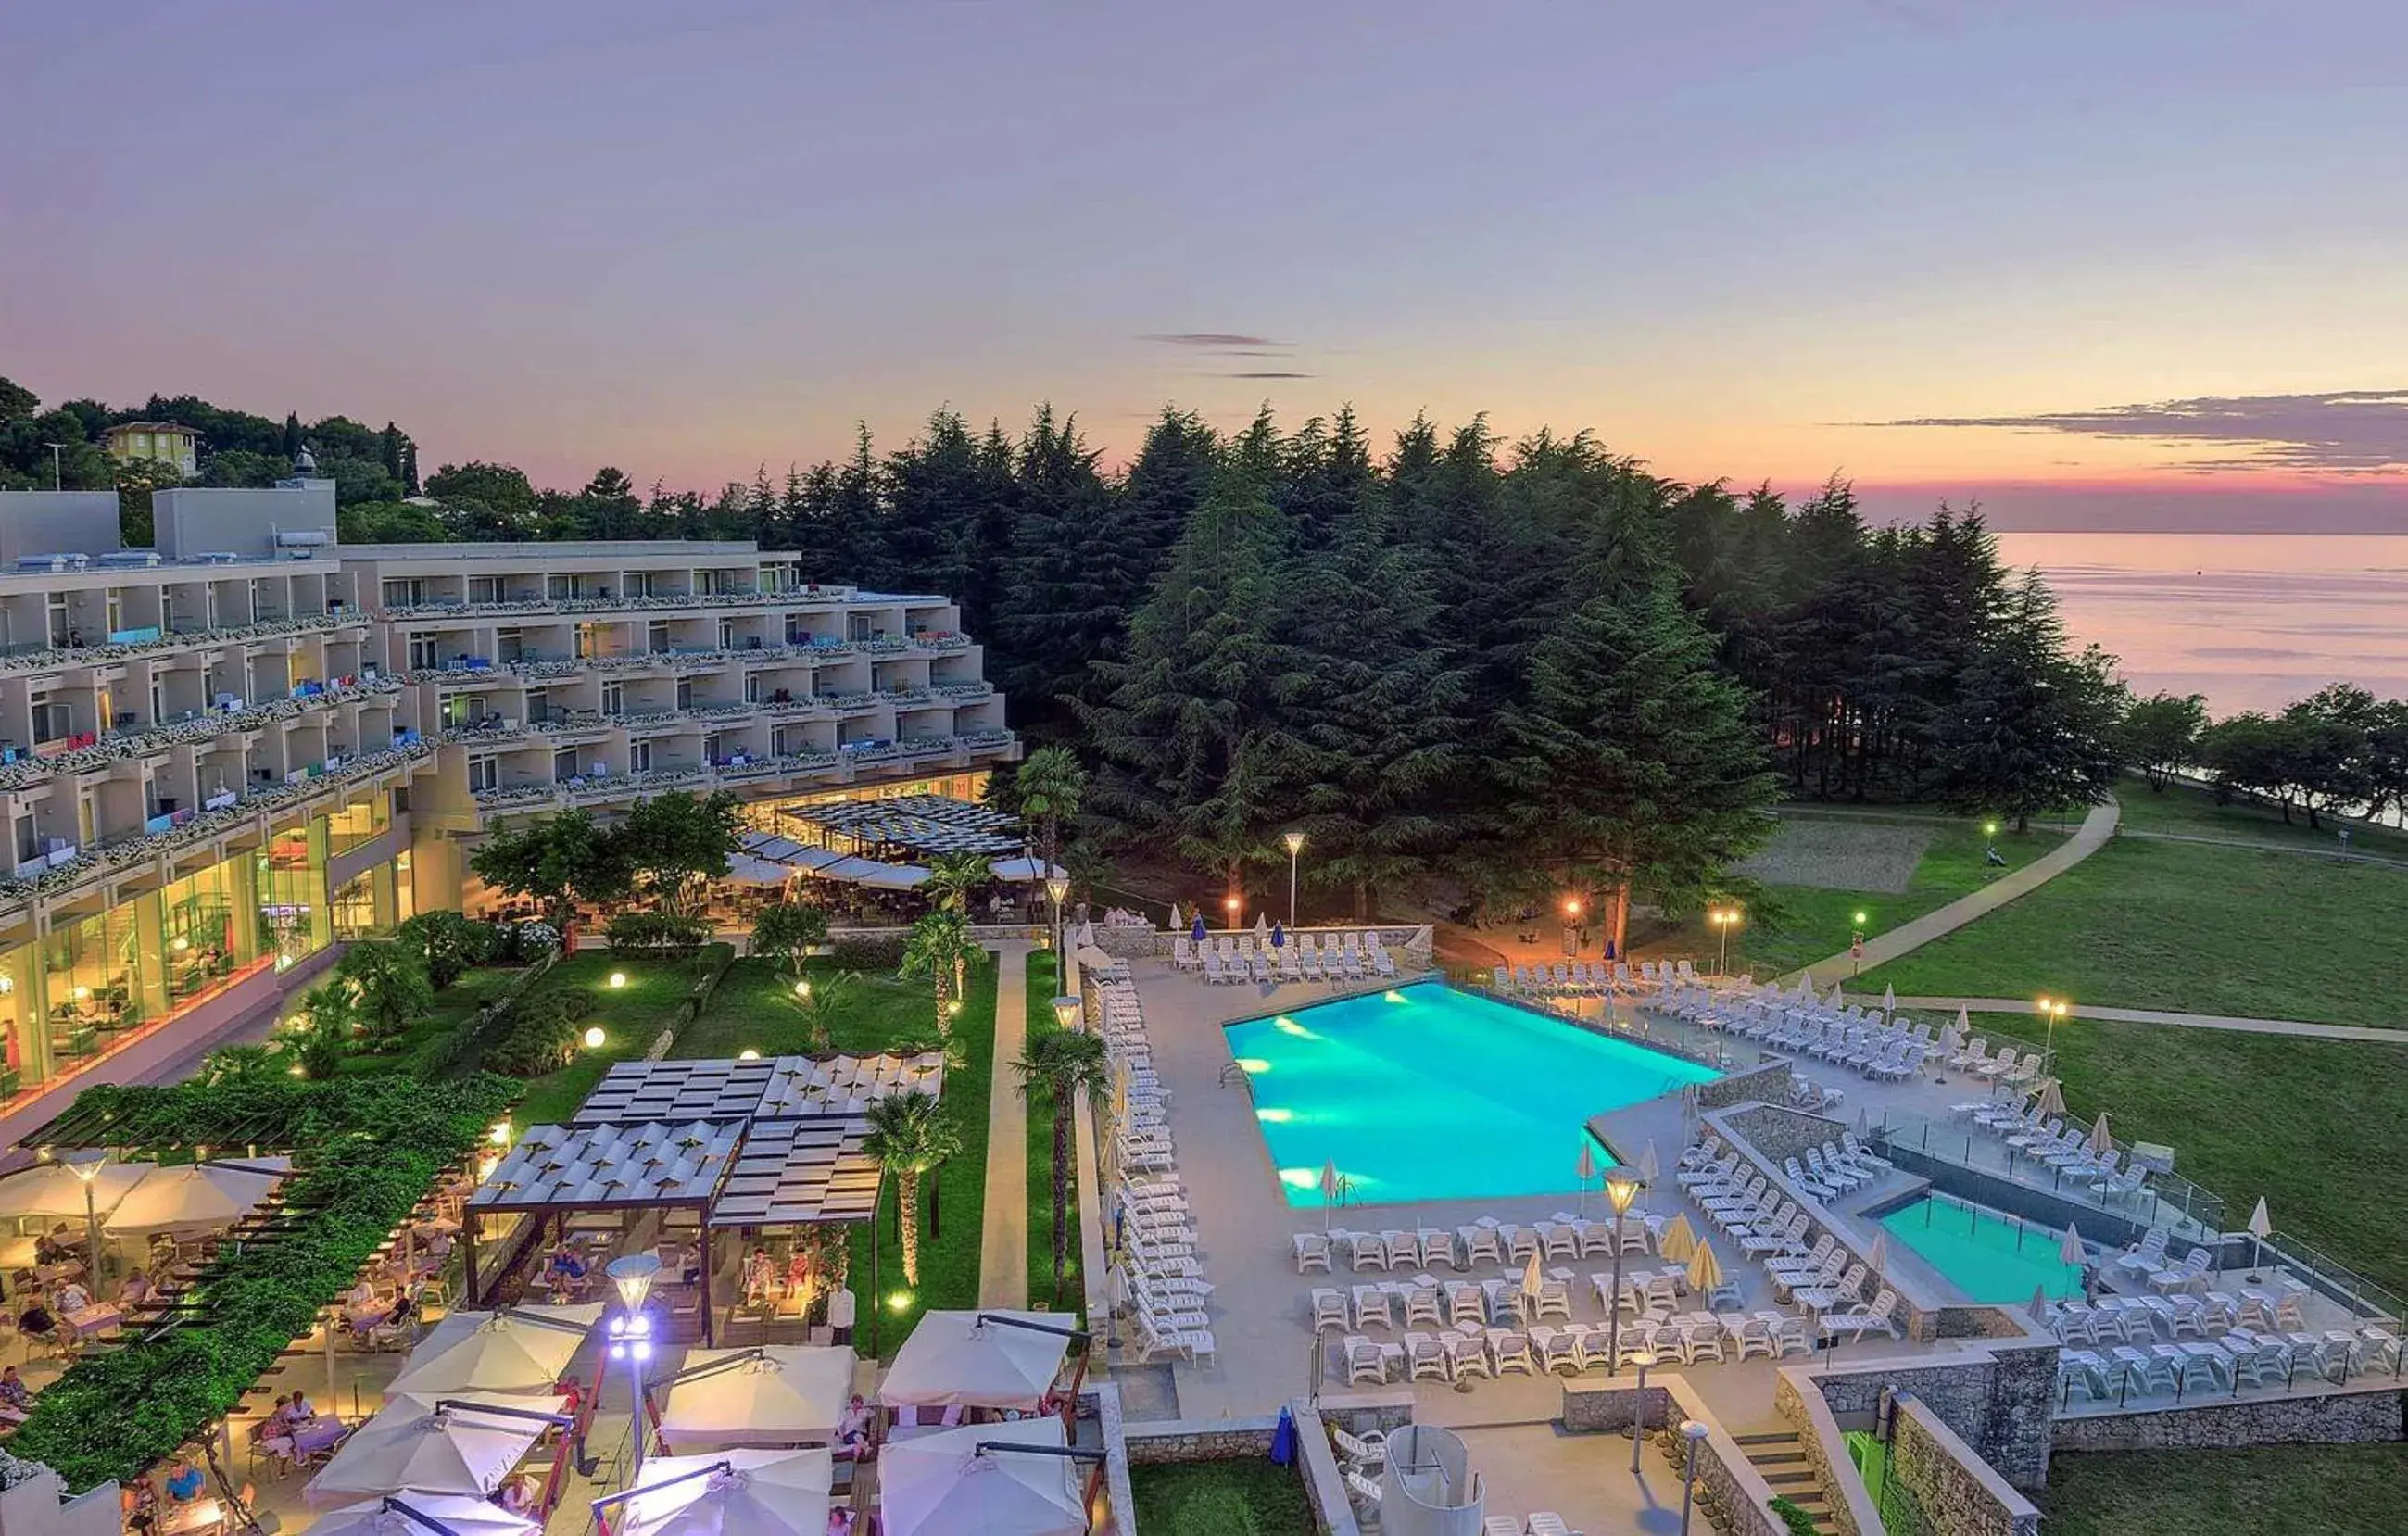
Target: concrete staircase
1780, 1459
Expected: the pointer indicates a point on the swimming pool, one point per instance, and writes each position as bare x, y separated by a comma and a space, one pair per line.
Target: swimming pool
1989, 1256
1430, 1094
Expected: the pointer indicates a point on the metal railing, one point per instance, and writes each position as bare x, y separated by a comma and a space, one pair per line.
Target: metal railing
2165, 1199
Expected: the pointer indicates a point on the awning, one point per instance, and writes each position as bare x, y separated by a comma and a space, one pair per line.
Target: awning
890, 877
744, 869
521, 1349
195, 1195
982, 1480
1025, 872
460, 1449
55, 1189
770, 846
977, 1359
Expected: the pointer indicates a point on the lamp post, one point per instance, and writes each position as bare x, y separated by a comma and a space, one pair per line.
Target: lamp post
1857, 942
1295, 841
2052, 1009
631, 1340
1724, 919
1065, 1011
1694, 1434
88, 1169
1619, 1192
1058, 887
1642, 1359
1572, 921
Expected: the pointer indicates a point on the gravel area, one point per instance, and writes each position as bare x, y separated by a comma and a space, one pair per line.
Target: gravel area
1833, 854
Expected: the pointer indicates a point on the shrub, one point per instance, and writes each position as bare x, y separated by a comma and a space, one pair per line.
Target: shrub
1797, 1520
642, 933
543, 1033
867, 954
449, 943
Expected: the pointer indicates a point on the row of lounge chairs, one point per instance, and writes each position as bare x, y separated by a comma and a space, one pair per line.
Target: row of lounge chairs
1856, 1038
1771, 1227
1587, 979
1165, 1283
1485, 1241
2064, 1147
1305, 957
2228, 1362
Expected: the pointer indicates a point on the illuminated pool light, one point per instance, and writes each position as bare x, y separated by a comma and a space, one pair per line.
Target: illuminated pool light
1277, 1117
1300, 1178
1253, 1065
1394, 997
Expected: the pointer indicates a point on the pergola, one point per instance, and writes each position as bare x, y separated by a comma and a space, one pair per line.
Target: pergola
738, 1144
921, 824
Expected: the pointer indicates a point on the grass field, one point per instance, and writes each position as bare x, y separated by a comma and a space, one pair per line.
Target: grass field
629, 1015
2334, 1490
1805, 924
754, 1009
2189, 927
1041, 987
1246, 1498
2311, 1125
2193, 812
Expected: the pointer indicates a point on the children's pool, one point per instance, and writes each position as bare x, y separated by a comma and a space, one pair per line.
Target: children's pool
1989, 1257
1430, 1094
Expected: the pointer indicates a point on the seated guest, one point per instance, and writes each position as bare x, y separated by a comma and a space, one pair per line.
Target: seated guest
35, 1321
72, 1298
16, 1398
852, 1429
516, 1495
137, 1290
184, 1481
278, 1420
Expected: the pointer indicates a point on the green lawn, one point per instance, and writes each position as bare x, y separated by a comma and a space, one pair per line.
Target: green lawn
754, 1009
2191, 927
1244, 1497
2193, 812
2311, 1125
629, 1015
1803, 923
1041, 987
2333, 1490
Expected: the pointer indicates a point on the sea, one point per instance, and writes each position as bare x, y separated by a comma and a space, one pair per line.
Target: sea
2252, 621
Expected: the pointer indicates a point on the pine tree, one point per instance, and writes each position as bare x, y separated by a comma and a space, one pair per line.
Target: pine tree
2033, 728
1055, 618
409, 469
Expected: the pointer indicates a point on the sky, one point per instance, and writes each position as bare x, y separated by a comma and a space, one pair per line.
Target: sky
2105, 265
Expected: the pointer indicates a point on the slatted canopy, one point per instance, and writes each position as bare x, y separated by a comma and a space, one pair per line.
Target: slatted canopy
612, 1167
925, 823
772, 1088
799, 1170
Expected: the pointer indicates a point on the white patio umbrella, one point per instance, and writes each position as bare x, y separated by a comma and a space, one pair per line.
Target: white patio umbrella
1878, 1258
2068, 1248
1964, 1023
390, 1515
466, 1447
2040, 1304
745, 869
2261, 1226
990, 1358
2101, 1141
1648, 1171
1532, 1283
1839, 995
738, 1493
1329, 1190
775, 1393
1173, 926
55, 1190
947, 1484
1889, 999
1023, 871
195, 1195
521, 1349
2050, 1099
1584, 1170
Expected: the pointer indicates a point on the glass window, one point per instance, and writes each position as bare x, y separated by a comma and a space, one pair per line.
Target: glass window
357, 823
355, 903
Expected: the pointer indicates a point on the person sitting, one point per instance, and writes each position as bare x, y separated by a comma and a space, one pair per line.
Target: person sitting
49, 1249
516, 1495
72, 1298
35, 1321
852, 1429
184, 1481
277, 1421
16, 1398
137, 1290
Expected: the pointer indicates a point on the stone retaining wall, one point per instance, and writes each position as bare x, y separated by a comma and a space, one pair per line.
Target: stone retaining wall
1606, 1407
1763, 1085
1739, 1499
1957, 1492
1850, 1502
1200, 1439
1997, 1398
1780, 1133
2325, 1418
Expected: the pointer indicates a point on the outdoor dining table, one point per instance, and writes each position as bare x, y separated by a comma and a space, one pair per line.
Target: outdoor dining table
188, 1519
101, 1317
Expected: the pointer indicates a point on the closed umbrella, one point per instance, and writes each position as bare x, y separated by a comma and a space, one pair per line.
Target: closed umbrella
1839, 996
2101, 1142
1889, 999
1952, 1039
1532, 1282
1878, 1260
2040, 1304
2068, 1248
2261, 1226
1964, 1023
1262, 927
401, 1514
743, 1493
462, 1448
1279, 937
1197, 932
521, 1349
1173, 923
1584, 1169
1647, 1168
2050, 1100
1329, 1190
1705, 1272
1679, 1239
982, 1480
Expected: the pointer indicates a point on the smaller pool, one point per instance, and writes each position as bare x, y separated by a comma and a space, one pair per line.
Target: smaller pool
1989, 1257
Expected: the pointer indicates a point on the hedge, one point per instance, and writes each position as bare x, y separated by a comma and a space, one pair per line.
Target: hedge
367, 1149
869, 955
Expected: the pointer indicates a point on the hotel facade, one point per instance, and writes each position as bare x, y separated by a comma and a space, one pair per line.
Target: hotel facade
223, 757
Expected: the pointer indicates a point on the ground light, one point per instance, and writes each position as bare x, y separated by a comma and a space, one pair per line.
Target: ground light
618, 979
747, 1053
594, 1036
803, 990
898, 1301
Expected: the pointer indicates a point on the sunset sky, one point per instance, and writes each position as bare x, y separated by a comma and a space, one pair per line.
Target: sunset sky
2102, 264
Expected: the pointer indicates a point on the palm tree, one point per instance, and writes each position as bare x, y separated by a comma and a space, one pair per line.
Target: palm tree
909, 1135
952, 878
820, 1005
940, 946
1064, 1064
1049, 784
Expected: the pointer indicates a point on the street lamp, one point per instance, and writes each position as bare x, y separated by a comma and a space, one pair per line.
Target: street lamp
1230, 904
1295, 841
1065, 1011
88, 1169
1643, 1358
803, 990
1058, 887
1857, 942
1619, 1192
1571, 922
1724, 919
2053, 1008
1695, 1433
631, 1339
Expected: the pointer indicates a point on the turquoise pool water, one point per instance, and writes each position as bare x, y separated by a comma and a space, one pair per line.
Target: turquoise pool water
1989, 1256
1430, 1094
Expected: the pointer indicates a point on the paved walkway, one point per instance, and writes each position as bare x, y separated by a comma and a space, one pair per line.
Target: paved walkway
2097, 827
2260, 845
1003, 1241
2188, 1021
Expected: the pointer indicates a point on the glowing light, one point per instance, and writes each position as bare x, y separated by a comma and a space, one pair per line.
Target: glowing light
500, 1134
747, 1053
1300, 1178
179, 944
1253, 1064
802, 989
1289, 1026
898, 1301
1394, 996
293, 1071
618, 979
1275, 1117
1862, 918
82, 993
594, 1036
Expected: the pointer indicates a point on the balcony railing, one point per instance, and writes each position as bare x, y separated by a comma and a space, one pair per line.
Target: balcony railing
119, 746
617, 787
45, 658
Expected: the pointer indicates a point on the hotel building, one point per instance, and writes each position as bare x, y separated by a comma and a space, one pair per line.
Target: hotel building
223, 757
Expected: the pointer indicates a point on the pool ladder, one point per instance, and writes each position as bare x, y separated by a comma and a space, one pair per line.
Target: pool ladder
1238, 1072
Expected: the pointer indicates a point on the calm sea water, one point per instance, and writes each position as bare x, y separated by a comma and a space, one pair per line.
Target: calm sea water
2253, 621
